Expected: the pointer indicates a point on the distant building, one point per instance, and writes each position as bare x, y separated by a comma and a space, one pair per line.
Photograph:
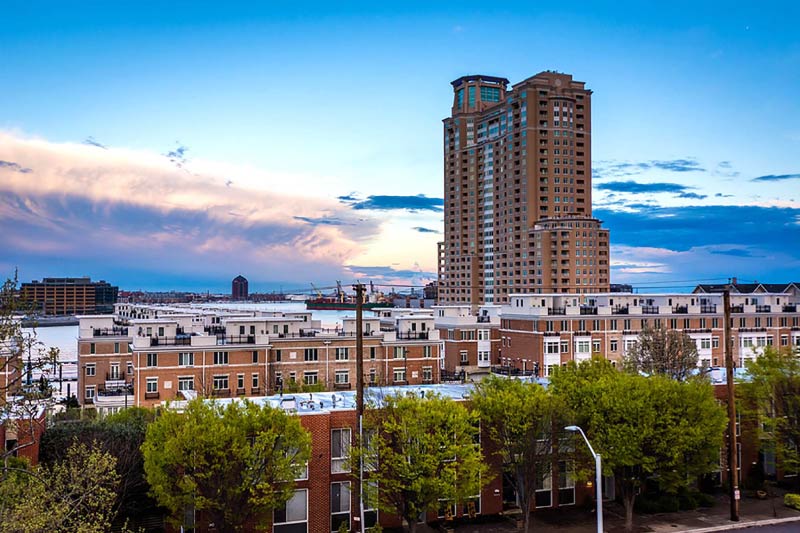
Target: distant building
70, 296
239, 288
620, 287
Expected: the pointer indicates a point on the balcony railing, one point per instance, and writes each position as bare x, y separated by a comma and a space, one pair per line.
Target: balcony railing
214, 330
737, 309
413, 335
552, 333
752, 330
342, 386
790, 308
649, 310
171, 341
619, 310
221, 393
708, 308
484, 319
556, 311
763, 308
680, 309
151, 395
697, 330
110, 332
588, 310
235, 339
119, 376
116, 391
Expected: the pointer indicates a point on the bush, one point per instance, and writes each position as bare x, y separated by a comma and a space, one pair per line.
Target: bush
705, 500
792, 500
663, 503
687, 501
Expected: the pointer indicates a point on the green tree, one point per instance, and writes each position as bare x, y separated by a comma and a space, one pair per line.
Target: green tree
427, 450
644, 427
524, 422
76, 494
772, 390
662, 351
121, 435
234, 463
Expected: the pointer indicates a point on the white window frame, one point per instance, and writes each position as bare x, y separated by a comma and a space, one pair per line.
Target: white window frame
339, 462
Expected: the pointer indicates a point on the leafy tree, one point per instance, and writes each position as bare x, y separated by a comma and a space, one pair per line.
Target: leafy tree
235, 463
644, 427
667, 352
524, 422
121, 435
76, 494
427, 450
773, 391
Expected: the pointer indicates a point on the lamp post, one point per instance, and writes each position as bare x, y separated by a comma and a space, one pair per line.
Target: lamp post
598, 477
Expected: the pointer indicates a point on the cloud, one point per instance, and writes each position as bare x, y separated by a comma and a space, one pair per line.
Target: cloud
91, 142
425, 230
691, 195
15, 167
637, 187
100, 212
414, 204
777, 177
678, 165
720, 195
735, 252
389, 274
619, 169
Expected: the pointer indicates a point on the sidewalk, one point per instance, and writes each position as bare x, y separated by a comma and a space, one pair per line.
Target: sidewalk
581, 521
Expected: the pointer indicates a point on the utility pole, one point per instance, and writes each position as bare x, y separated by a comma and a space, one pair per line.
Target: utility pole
732, 445
359, 288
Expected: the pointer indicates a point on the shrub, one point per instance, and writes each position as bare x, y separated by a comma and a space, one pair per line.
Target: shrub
705, 500
792, 500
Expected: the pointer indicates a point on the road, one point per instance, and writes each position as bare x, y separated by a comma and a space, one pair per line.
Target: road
791, 527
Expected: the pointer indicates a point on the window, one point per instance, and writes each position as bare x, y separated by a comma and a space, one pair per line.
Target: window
92, 348
464, 357
715, 342
255, 356
310, 378
91, 370
426, 351
186, 359
310, 354
613, 345
152, 385
370, 503
340, 505
152, 359
373, 352
340, 449
566, 483
427, 374
186, 383
89, 394
399, 374
342, 354
220, 358
116, 347
544, 487
240, 382
220, 382
399, 352
342, 376
582, 346
293, 517
483, 335
277, 355
705, 343
113, 372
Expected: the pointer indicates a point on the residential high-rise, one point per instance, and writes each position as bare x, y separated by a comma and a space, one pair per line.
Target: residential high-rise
69, 296
518, 191
239, 288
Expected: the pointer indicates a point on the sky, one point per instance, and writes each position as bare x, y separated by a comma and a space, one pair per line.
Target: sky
174, 145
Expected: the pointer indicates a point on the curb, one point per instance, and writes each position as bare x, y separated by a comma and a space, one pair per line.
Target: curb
745, 525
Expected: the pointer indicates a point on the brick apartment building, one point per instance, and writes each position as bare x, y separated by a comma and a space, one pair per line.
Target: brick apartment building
69, 296
548, 330
518, 192
147, 355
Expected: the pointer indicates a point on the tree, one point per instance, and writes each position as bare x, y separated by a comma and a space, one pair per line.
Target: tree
235, 463
121, 435
76, 494
773, 391
644, 427
524, 422
427, 450
661, 351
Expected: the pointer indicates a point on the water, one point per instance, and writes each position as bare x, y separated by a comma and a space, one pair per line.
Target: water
330, 319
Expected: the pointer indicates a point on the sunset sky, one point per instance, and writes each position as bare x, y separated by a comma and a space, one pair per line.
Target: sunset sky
175, 145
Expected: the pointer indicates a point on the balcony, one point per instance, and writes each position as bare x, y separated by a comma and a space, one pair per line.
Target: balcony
342, 386
185, 340
151, 395
790, 308
484, 319
697, 330
127, 389
708, 308
752, 330
255, 390
737, 309
680, 309
110, 332
221, 393
630, 331
115, 376
235, 339
556, 311
413, 335
763, 308
649, 309
241, 392
552, 333
214, 330
619, 310
588, 310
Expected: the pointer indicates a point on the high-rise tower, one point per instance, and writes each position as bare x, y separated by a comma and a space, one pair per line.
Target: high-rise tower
518, 191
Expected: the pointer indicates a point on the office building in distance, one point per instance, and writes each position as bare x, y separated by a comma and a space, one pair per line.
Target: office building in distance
518, 192
69, 296
239, 288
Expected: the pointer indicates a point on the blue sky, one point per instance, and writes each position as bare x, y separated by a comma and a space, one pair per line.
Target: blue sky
302, 142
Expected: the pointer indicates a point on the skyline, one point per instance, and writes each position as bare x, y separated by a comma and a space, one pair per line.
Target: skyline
171, 147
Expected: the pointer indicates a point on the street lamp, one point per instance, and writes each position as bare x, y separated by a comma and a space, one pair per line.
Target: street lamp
598, 477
